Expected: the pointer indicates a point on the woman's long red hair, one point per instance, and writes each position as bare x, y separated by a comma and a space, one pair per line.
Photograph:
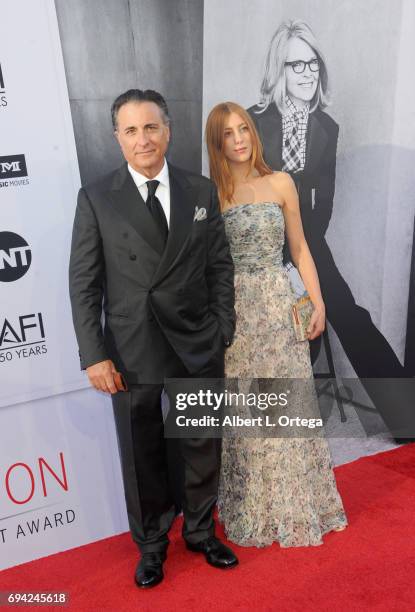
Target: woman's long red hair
218, 164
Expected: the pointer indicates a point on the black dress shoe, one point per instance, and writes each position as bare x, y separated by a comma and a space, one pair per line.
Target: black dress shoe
216, 553
149, 570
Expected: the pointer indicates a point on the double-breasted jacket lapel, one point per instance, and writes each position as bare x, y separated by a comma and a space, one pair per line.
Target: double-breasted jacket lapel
130, 205
182, 207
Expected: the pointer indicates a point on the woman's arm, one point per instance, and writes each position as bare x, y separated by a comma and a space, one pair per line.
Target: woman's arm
300, 252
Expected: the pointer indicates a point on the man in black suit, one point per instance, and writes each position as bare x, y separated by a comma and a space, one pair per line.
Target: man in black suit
149, 249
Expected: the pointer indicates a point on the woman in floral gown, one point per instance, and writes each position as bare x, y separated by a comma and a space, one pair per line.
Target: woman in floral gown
271, 488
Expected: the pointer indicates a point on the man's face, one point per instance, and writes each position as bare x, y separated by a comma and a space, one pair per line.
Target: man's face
143, 136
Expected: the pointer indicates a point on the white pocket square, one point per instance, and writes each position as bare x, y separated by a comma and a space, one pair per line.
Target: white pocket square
200, 214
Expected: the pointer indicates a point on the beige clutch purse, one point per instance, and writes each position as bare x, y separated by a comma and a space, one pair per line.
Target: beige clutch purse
302, 310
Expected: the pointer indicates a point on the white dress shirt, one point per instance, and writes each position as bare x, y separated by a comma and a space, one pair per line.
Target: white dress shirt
162, 191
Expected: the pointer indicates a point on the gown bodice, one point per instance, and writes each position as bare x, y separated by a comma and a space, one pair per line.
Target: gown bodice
256, 235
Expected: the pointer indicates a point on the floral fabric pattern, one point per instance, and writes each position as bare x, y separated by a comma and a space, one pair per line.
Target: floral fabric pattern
271, 489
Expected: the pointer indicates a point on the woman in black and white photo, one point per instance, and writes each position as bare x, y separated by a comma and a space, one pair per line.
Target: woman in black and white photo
299, 137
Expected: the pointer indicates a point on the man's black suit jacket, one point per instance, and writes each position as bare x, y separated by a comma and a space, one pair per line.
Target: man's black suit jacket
316, 183
118, 267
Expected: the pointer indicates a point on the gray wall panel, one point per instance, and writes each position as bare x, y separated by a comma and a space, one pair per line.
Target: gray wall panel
169, 60
110, 46
98, 150
185, 145
97, 44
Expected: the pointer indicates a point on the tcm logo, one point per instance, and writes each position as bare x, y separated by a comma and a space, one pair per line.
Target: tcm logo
22, 481
15, 257
13, 171
27, 330
12, 166
3, 99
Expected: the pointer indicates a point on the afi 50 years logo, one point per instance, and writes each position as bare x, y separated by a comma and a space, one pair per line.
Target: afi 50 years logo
22, 337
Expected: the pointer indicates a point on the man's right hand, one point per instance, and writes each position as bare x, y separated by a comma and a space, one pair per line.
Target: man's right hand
101, 376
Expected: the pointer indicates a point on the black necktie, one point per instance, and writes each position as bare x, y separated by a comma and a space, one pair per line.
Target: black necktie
156, 209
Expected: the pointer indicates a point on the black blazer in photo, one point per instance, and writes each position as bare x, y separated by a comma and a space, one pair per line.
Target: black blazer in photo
316, 183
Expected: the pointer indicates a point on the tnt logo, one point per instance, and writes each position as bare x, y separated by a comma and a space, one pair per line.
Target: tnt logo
15, 257
12, 166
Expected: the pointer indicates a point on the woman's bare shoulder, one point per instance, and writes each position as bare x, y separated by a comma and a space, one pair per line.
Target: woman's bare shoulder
280, 178
282, 183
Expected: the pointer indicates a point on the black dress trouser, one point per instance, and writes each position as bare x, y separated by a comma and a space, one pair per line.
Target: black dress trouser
144, 458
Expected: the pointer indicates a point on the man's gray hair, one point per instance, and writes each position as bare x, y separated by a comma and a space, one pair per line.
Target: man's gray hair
138, 95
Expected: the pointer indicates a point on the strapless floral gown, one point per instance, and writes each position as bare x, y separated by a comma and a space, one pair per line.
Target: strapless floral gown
271, 489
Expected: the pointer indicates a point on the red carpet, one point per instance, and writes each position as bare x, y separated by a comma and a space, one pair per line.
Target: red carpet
369, 566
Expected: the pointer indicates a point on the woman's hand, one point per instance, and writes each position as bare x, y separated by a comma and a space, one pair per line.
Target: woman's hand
317, 322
